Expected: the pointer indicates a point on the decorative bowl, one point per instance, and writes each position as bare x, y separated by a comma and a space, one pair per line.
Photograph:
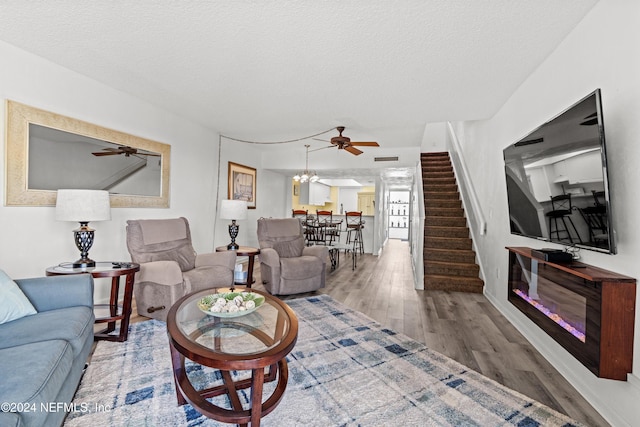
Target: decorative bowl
230, 304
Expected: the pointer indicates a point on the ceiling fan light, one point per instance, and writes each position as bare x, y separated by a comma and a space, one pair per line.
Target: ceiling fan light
314, 178
304, 177
296, 177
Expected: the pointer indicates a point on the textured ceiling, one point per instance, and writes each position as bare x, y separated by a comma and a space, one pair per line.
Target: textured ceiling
272, 70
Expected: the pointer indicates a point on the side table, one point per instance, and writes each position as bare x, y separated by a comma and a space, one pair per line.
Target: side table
112, 312
248, 252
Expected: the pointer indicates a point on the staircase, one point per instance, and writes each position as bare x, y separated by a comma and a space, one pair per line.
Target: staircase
449, 260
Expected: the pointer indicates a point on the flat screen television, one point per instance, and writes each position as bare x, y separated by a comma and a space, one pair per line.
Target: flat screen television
557, 183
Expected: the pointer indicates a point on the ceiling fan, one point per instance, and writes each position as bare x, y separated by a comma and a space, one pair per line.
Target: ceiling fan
345, 143
123, 149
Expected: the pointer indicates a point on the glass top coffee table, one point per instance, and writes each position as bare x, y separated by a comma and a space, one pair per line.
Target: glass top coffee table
254, 338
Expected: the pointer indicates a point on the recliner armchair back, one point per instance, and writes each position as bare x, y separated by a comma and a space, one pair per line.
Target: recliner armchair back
161, 240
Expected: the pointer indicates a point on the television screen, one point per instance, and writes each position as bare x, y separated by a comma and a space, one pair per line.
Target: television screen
557, 183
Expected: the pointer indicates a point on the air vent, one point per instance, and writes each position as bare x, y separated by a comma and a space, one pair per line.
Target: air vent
385, 159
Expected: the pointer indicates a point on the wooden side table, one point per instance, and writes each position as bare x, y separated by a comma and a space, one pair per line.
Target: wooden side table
248, 252
112, 312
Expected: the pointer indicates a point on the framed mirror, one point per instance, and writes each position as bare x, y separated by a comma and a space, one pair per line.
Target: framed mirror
46, 152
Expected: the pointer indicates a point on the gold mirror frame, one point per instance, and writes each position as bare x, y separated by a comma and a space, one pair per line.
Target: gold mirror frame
19, 116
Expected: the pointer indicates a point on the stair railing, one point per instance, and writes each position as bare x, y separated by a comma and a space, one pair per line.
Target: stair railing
467, 191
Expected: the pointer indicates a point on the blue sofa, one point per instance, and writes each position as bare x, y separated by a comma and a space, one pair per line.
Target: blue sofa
42, 356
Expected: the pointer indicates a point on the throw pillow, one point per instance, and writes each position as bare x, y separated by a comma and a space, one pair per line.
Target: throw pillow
13, 303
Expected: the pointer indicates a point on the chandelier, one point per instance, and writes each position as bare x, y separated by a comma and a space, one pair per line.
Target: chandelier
306, 175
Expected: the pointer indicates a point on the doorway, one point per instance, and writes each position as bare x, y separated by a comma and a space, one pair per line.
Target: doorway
399, 215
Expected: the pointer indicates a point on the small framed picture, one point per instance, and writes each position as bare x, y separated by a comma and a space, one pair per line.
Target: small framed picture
242, 184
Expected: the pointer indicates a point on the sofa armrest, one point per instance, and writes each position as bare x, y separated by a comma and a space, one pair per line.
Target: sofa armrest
164, 272
319, 251
54, 292
270, 257
224, 259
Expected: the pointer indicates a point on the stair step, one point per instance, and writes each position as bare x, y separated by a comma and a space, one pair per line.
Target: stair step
436, 167
438, 180
437, 231
448, 243
444, 203
444, 221
448, 212
431, 175
449, 188
433, 154
441, 195
449, 255
457, 269
454, 284
442, 160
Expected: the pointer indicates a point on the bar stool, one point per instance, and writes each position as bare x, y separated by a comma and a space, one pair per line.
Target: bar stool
330, 228
303, 216
355, 224
561, 209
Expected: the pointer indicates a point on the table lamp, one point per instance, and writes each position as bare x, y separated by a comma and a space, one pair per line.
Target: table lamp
233, 210
83, 206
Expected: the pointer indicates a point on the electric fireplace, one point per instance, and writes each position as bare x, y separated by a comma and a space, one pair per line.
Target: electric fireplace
587, 310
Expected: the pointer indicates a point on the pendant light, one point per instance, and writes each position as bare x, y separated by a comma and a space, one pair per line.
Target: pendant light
306, 175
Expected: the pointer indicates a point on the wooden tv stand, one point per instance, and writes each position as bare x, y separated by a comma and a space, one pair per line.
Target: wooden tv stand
598, 305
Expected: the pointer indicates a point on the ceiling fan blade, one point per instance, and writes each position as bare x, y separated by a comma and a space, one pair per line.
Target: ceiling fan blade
354, 151
365, 143
106, 153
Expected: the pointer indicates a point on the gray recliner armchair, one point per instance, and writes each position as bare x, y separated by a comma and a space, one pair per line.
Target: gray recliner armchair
287, 266
170, 267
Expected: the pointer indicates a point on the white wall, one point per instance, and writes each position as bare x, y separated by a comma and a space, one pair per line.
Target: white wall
434, 138
32, 239
348, 199
273, 192
600, 53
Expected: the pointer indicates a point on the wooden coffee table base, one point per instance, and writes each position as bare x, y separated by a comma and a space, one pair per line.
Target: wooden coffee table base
186, 393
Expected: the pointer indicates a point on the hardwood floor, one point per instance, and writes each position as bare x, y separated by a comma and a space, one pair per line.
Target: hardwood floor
463, 326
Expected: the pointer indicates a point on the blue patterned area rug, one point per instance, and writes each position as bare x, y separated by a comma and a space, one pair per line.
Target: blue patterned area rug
345, 370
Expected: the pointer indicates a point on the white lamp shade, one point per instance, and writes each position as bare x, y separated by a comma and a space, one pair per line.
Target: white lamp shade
83, 205
233, 209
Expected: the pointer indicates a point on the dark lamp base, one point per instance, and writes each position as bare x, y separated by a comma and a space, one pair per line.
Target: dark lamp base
233, 246
84, 263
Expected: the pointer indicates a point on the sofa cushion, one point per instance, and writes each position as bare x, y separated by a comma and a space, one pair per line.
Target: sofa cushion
73, 324
13, 303
37, 381
302, 267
